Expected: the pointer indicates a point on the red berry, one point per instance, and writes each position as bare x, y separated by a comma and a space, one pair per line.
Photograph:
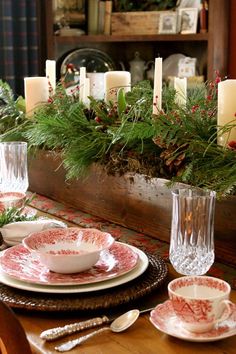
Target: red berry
97, 119
70, 66
232, 144
194, 108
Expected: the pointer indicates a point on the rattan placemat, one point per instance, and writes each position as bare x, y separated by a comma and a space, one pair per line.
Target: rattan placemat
151, 279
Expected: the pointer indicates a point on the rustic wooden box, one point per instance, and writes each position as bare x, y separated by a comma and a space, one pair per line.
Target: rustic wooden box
131, 200
137, 23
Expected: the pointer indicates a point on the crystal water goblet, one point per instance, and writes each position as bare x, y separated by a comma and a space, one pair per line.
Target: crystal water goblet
192, 231
13, 167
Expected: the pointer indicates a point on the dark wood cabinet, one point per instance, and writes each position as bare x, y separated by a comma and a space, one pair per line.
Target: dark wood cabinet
211, 48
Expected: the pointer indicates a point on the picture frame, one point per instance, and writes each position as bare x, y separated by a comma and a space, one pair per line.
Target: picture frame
168, 23
189, 3
187, 19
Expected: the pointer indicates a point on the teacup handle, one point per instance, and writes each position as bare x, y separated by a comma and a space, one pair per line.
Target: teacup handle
226, 313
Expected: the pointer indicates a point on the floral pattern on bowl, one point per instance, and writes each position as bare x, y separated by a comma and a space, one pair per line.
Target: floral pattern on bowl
19, 263
69, 250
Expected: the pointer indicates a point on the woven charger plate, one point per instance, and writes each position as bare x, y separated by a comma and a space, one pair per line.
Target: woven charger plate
151, 279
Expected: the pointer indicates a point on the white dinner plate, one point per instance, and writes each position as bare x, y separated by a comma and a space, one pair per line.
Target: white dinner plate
140, 268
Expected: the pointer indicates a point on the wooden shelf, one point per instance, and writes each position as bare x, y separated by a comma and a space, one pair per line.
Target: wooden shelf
211, 49
132, 38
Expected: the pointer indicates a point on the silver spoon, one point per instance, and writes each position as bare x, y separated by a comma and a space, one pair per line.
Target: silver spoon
120, 324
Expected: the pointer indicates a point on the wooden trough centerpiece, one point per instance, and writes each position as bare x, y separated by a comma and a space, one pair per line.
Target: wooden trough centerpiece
132, 200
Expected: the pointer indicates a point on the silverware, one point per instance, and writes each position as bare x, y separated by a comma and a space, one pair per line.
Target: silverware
58, 332
120, 324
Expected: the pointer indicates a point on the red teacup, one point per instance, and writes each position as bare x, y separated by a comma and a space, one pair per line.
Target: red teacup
200, 302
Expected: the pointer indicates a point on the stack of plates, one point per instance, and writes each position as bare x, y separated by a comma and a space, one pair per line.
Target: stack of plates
120, 264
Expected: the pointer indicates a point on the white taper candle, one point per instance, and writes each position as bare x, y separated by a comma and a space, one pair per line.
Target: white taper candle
157, 90
82, 77
86, 92
51, 74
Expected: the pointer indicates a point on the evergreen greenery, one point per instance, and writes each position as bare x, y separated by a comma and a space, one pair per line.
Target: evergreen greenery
180, 143
11, 112
14, 214
137, 5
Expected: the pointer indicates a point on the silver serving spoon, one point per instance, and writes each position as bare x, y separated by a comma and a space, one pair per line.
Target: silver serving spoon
120, 324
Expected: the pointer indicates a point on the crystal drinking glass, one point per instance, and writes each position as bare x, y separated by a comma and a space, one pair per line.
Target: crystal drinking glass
192, 231
13, 167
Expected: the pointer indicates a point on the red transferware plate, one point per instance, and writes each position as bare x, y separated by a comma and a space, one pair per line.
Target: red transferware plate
164, 319
19, 263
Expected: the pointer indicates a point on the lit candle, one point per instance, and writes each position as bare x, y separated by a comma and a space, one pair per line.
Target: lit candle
157, 90
82, 77
113, 80
226, 110
180, 86
51, 74
36, 93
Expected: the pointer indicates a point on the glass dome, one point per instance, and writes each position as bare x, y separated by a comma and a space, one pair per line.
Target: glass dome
93, 59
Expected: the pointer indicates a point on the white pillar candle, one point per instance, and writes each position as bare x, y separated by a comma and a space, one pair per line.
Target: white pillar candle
36, 93
180, 86
157, 89
226, 110
113, 80
96, 85
86, 92
51, 74
82, 77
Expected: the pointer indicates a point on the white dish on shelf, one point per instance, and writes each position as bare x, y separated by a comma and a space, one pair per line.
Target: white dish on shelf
67, 31
170, 65
165, 320
19, 263
140, 268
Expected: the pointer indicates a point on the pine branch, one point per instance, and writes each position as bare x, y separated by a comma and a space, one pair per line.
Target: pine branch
210, 166
85, 150
179, 143
14, 214
12, 113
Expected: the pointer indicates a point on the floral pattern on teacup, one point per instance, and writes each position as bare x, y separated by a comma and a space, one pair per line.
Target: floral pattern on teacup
164, 318
192, 311
201, 281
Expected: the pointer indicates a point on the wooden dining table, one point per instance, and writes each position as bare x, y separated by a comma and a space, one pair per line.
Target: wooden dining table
141, 338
